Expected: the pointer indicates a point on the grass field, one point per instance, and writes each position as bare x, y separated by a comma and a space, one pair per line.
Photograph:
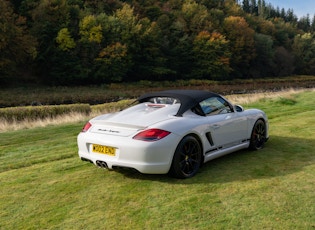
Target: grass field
44, 185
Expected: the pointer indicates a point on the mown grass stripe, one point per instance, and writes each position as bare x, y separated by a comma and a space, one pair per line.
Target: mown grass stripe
268, 189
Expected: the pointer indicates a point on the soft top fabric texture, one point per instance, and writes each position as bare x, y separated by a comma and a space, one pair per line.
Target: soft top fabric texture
188, 98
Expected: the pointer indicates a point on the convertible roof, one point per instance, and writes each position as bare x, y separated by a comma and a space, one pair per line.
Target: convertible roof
188, 98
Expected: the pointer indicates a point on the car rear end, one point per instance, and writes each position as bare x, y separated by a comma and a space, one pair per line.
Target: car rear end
131, 140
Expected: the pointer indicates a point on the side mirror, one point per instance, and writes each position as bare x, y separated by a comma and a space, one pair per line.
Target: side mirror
238, 108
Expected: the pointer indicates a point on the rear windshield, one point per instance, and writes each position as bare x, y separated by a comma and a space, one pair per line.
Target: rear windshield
164, 100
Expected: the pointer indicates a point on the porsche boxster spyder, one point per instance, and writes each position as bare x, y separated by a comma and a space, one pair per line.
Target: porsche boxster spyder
173, 131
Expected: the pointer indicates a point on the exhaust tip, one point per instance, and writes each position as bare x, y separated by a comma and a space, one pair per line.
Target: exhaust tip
101, 164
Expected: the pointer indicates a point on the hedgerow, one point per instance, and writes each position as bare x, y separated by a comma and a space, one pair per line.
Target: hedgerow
111, 107
41, 112
94, 95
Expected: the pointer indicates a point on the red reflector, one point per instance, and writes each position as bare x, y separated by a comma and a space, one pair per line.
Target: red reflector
86, 127
151, 135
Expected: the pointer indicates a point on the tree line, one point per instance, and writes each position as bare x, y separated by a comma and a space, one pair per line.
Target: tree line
76, 42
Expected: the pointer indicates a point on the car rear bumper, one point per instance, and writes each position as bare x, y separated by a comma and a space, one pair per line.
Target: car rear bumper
145, 157
145, 168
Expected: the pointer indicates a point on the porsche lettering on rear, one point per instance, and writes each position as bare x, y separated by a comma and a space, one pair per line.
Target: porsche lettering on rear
109, 130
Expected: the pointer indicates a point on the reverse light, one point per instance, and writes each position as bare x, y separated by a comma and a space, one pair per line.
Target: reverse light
86, 127
151, 135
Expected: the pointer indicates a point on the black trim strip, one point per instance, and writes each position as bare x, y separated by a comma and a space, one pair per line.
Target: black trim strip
213, 150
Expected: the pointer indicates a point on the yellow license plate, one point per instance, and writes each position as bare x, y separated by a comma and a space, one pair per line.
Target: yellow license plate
104, 150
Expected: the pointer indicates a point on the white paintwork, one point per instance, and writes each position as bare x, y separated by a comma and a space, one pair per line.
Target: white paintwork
230, 132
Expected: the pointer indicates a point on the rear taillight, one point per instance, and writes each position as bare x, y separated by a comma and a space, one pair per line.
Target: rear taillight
151, 135
86, 127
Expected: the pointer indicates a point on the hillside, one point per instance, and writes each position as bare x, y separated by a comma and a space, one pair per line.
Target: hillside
96, 42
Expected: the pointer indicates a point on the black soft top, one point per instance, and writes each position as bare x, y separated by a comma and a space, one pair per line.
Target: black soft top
188, 98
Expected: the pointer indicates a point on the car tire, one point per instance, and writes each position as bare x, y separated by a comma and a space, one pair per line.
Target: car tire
258, 136
187, 158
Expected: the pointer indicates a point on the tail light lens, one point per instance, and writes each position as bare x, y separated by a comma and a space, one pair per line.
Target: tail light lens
86, 127
151, 135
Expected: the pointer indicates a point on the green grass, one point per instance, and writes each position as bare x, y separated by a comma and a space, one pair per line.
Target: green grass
44, 185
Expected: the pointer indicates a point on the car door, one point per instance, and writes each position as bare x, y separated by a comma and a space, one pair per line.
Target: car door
227, 127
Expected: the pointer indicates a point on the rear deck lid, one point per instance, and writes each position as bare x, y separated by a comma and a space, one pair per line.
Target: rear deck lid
133, 119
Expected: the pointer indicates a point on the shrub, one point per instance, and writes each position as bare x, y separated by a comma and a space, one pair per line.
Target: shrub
111, 107
41, 112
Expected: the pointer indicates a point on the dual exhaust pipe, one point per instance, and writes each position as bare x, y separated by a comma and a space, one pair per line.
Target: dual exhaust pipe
101, 164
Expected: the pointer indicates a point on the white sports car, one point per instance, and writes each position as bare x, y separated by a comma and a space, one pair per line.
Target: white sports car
172, 132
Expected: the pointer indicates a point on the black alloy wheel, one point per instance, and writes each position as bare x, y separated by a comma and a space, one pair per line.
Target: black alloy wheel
258, 137
187, 158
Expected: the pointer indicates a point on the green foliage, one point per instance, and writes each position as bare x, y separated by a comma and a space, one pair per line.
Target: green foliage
111, 106
112, 64
242, 42
49, 17
304, 50
90, 30
284, 62
212, 55
264, 60
41, 112
17, 45
63, 42
196, 17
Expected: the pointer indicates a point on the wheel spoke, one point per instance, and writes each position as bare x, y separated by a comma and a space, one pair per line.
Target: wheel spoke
183, 154
189, 157
193, 161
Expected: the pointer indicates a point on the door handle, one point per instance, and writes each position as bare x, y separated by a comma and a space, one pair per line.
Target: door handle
216, 126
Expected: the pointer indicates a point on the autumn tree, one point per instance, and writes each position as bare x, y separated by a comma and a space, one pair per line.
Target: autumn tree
143, 41
112, 63
241, 38
190, 19
96, 41
64, 40
212, 56
196, 17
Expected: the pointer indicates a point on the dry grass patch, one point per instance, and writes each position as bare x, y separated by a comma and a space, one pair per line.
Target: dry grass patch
29, 123
242, 99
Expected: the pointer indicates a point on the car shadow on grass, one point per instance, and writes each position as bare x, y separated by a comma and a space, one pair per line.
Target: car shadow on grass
280, 156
